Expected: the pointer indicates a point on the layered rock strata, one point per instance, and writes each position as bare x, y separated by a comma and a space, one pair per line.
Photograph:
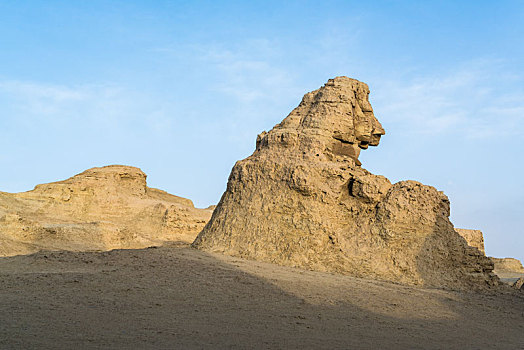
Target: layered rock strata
100, 209
302, 199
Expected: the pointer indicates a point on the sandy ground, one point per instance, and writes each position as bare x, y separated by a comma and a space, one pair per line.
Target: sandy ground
178, 297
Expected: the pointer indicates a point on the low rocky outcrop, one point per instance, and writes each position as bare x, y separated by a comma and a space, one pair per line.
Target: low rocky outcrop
507, 269
507, 265
100, 209
302, 199
474, 238
519, 284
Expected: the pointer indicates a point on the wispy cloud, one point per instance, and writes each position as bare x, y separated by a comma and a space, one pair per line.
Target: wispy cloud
41, 91
477, 100
253, 88
249, 73
103, 106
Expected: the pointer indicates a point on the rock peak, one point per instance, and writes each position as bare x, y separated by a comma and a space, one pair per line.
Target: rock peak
335, 122
111, 179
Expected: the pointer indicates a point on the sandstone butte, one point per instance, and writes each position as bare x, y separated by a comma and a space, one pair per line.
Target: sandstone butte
100, 209
302, 199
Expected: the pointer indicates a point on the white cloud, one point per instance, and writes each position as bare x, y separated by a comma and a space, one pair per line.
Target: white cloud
41, 91
34, 105
249, 73
254, 88
476, 100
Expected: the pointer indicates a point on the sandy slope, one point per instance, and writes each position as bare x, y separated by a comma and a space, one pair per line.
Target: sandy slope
178, 297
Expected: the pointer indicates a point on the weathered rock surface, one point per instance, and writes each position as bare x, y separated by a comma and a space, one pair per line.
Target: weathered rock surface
100, 209
474, 238
519, 284
302, 199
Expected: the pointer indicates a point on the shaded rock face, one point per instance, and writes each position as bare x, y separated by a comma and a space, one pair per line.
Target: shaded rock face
474, 238
301, 199
100, 209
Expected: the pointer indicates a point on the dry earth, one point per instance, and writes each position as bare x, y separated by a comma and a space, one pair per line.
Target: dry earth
179, 297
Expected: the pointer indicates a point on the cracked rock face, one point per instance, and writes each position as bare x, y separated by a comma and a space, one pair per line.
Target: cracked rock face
100, 209
303, 200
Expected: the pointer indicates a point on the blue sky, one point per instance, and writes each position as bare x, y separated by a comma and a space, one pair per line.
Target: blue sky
182, 88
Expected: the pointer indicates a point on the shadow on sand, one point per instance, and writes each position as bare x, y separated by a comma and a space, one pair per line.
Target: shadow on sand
178, 297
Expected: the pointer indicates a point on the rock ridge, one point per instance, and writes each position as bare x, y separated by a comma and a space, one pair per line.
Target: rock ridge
101, 208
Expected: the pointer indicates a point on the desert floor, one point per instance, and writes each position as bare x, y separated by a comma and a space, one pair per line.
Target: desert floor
178, 297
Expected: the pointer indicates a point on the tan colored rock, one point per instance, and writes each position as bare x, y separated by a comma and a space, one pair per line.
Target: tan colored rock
507, 265
519, 284
474, 238
301, 199
100, 209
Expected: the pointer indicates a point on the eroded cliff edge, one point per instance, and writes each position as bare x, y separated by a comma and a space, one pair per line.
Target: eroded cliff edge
302, 199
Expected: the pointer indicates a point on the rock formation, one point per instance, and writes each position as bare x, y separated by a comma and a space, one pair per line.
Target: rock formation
302, 199
100, 209
507, 265
474, 238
